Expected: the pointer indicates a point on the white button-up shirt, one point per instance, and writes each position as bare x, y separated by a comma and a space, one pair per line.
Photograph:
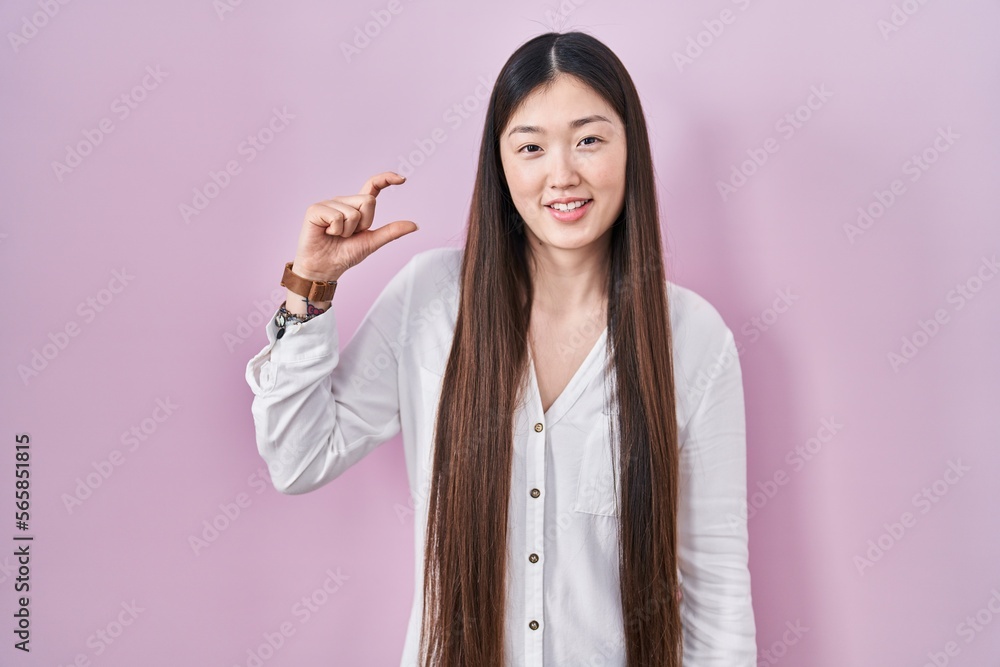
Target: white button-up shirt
318, 410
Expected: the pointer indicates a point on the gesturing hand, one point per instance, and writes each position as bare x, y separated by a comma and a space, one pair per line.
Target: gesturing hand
337, 234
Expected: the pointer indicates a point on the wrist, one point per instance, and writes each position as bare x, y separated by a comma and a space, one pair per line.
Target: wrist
302, 270
299, 305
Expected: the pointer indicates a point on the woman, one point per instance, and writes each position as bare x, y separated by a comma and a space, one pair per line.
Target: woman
573, 421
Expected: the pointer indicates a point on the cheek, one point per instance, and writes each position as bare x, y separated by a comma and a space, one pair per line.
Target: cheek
609, 175
522, 186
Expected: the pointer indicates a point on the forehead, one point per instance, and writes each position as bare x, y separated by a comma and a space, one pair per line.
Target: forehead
553, 105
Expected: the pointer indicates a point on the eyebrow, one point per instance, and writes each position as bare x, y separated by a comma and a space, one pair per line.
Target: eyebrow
579, 122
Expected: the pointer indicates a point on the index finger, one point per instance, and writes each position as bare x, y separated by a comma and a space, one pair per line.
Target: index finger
381, 181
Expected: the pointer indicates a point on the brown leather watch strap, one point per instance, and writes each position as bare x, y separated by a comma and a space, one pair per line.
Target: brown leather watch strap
313, 290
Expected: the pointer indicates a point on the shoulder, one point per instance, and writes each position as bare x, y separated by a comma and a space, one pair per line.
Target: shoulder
693, 316
427, 270
435, 270
703, 343
430, 280
431, 310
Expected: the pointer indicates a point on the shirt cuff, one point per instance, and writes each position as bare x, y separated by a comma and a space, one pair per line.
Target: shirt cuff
301, 342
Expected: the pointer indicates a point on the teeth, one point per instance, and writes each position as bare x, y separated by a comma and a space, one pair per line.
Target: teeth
570, 206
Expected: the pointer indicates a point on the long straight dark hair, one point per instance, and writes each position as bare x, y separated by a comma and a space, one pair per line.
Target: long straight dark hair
485, 378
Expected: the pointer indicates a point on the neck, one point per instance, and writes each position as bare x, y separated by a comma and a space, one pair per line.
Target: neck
568, 281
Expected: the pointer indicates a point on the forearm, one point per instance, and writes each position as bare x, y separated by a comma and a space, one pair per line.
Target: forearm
296, 303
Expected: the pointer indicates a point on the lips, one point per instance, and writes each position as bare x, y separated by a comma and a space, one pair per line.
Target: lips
571, 215
578, 202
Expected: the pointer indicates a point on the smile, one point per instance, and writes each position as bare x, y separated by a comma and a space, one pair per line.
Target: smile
570, 212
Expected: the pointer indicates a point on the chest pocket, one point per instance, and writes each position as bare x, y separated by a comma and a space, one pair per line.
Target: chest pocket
596, 491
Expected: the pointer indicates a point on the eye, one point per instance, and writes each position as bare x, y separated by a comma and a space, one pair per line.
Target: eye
523, 148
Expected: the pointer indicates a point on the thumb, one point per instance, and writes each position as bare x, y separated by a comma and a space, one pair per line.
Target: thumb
391, 232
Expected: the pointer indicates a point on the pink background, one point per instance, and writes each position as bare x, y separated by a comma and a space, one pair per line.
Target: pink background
178, 329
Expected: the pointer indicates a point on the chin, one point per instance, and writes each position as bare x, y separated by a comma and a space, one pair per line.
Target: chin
567, 239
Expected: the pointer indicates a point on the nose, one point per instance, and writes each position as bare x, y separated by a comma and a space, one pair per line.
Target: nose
564, 173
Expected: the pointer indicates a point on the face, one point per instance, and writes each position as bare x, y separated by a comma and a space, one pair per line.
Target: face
565, 144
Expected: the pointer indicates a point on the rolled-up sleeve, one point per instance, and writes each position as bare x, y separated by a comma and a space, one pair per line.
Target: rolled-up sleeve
318, 410
716, 608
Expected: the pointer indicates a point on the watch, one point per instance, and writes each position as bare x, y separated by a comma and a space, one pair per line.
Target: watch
312, 290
